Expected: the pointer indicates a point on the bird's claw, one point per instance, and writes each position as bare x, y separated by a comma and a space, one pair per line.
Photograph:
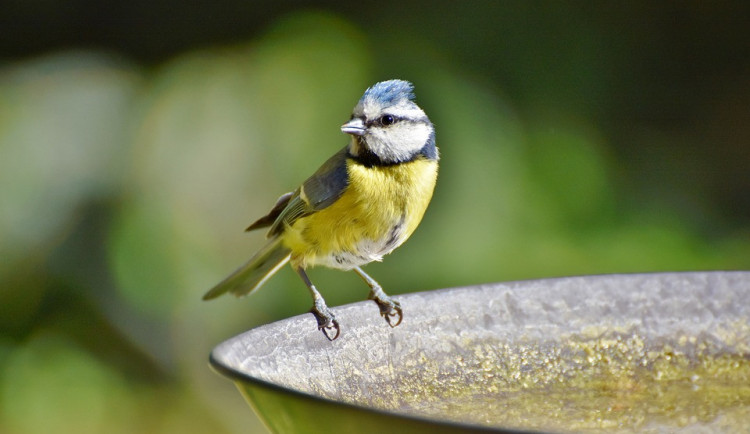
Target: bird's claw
390, 310
394, 314
327, 322
327, 328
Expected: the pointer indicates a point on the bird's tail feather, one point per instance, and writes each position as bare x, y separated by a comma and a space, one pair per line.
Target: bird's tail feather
255, 272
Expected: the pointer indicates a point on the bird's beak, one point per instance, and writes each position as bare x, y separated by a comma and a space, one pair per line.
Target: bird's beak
354, 127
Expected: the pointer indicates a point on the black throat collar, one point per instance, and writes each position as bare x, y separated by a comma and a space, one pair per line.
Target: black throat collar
368, 159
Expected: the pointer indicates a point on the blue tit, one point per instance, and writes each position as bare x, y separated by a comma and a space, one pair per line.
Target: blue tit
360, 205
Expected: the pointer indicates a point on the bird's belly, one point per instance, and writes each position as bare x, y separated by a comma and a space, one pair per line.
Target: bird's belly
348, 235
378, 212
365, 251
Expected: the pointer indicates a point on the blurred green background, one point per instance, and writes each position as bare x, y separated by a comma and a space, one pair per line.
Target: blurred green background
138, 139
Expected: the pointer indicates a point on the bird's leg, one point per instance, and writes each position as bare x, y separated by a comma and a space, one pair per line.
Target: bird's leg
390, 309
326, 320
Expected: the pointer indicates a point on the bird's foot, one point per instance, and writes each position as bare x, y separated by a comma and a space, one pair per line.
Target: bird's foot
327, 322
390, 309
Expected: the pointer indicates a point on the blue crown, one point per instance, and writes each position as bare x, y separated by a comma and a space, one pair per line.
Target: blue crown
389, 92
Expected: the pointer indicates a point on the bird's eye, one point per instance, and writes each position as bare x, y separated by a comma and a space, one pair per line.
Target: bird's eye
387, 120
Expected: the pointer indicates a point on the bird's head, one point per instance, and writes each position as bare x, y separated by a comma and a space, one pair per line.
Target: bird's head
388, 127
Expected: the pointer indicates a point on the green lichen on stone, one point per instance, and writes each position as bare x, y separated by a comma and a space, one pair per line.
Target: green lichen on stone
611, 381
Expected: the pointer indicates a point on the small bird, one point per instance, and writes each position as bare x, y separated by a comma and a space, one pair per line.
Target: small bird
360, 205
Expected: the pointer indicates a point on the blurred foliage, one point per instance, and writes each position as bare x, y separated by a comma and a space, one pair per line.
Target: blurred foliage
571, 143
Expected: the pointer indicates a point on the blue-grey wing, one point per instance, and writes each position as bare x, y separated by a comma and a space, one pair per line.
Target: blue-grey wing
328, 183
319, 191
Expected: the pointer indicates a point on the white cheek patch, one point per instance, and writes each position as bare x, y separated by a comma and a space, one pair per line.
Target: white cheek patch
399, 142
408, 137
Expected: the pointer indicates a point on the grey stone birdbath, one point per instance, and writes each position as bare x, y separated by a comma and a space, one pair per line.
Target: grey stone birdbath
616, 353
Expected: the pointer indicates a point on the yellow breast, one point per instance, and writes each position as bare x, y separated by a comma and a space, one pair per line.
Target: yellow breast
380, 209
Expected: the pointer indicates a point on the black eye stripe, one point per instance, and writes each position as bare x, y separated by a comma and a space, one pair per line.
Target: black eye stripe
395, 119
